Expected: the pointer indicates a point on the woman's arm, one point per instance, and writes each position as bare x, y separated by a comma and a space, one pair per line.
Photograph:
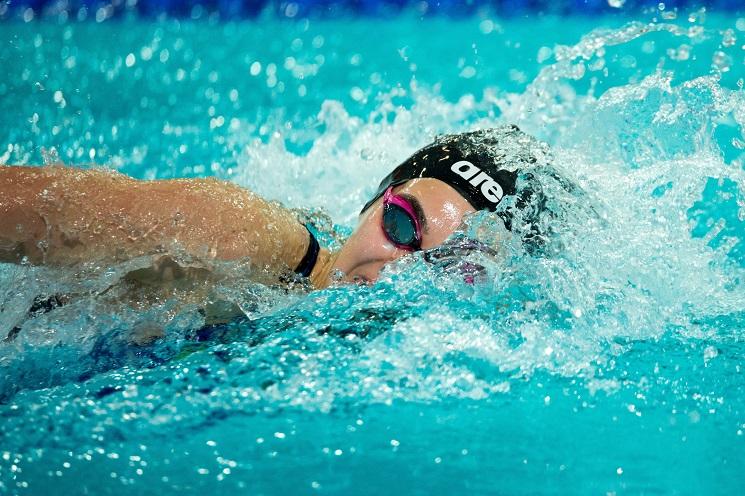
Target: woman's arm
63, 215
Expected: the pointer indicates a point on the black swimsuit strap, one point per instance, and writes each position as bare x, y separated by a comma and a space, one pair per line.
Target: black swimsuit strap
305, 267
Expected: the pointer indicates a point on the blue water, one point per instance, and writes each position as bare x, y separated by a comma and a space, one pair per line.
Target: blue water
612, 365
241, 9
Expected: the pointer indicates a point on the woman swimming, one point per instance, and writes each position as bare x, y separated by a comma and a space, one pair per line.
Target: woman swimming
64, 216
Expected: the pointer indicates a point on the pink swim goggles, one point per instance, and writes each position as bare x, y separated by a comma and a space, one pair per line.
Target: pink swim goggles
401, 222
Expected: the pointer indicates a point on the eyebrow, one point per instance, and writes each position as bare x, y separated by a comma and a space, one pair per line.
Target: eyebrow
418, 210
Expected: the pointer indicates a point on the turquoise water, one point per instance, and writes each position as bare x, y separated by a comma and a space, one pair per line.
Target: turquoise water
612, 366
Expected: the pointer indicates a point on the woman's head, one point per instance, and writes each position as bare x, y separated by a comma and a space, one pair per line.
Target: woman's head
425, 199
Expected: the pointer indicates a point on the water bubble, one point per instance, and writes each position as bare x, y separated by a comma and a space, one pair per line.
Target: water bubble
255, 68
597, 64
146, 53
544, 53
696, 32
357, 94
367, 154
50, 156
104, 13
291, 10
728, 38
721, 61
682, 53
628, 61
486, 26
402, 52
468, 72
616, 4
648, 46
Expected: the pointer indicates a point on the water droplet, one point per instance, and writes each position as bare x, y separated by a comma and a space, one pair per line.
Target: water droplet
468, 72
357, 94
292, 10
683, 52
544, 53
50, 156
721, 61
710, 352
486, 26
729, 38
146, 53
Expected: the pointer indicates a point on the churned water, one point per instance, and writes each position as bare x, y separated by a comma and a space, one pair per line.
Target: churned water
611, 363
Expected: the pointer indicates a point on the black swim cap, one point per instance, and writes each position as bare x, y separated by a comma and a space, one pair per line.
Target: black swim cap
483, 166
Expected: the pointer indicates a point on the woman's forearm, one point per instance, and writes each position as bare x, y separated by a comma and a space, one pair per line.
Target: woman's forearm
63, 215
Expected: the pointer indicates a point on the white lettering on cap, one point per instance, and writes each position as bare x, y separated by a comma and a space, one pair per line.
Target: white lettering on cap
491, 189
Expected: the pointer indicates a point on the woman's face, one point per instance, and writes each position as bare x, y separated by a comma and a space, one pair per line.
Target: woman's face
368, 249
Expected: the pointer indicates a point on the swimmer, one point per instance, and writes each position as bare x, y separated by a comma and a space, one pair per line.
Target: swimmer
63, 216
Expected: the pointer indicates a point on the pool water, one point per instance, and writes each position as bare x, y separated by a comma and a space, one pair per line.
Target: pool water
614, 365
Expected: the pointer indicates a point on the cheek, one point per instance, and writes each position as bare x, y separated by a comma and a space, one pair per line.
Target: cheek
356, 248
348, 254
367, 250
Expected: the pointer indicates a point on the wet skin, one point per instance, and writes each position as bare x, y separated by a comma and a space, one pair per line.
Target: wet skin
63, 216
368, 249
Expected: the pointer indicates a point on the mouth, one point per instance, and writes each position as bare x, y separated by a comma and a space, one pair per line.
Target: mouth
352, 275
361, 280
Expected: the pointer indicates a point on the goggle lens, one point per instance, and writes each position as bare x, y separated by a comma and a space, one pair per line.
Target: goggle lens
399, 226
